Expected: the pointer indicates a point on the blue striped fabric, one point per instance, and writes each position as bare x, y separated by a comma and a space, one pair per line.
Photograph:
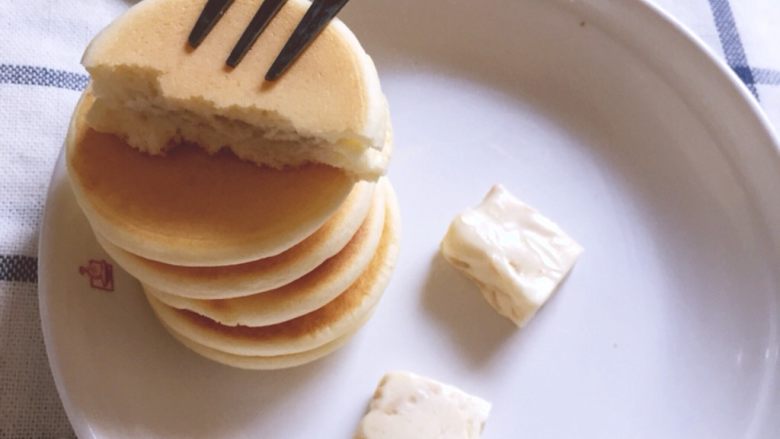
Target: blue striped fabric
766, 76
42, 76
18, 268
735, 50
22, 268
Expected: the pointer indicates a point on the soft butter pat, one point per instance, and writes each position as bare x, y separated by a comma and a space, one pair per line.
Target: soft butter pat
406, 406
516, 255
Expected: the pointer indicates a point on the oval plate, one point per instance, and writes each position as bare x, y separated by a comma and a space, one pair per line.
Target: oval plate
608, 117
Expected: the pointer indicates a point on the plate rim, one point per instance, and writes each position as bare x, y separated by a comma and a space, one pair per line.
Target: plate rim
723, 67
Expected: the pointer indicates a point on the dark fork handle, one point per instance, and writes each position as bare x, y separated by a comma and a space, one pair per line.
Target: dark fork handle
316, 18
264, 15
209, 16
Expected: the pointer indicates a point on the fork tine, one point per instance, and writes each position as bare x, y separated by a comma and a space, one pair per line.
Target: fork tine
316, 18
209, 16
264, 15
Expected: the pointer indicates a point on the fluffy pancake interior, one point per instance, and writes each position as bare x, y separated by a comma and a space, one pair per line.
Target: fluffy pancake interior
229, 281
302, 333
302, 296
192, 208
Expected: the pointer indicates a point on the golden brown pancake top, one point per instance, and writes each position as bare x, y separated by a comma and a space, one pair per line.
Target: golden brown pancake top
191, 198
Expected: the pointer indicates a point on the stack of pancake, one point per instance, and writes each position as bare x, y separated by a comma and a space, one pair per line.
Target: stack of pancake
256, 217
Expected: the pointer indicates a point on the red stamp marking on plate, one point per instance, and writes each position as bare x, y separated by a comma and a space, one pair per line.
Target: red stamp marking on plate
101, 274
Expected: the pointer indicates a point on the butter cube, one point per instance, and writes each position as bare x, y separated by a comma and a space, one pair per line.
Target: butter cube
516, 255
406, 406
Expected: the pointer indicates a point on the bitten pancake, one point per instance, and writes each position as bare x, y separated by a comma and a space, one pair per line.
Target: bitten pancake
151, 88
302, 296
337, 318
194, 209
257, 276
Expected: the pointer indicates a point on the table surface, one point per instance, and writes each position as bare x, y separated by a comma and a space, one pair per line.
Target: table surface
40, 81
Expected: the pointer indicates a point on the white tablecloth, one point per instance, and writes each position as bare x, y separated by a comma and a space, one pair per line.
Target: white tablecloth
40, 79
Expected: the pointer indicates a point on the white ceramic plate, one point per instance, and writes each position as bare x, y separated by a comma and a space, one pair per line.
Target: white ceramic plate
605, 115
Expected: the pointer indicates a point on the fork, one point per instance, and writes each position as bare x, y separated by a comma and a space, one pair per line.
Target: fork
319, 14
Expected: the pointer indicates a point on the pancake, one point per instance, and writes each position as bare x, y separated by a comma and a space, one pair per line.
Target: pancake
256, 276
193, 209
269, 362
302, 296
334, 320
328, 108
